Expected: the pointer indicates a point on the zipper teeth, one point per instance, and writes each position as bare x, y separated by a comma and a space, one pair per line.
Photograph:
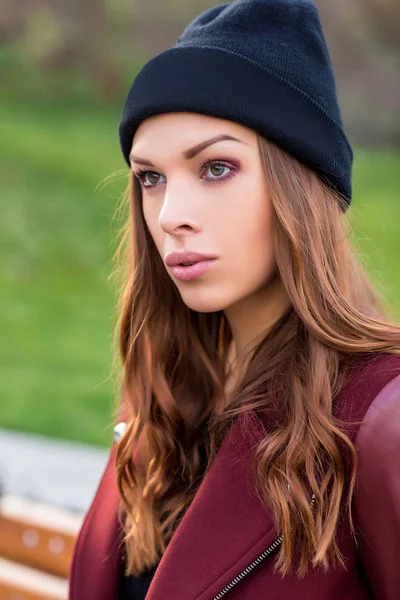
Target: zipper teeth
247, 570
256, 562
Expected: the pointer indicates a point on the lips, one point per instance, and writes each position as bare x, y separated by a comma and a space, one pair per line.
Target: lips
177, 258
192, 271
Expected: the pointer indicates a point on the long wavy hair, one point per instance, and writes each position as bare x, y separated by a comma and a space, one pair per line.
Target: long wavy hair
174, 365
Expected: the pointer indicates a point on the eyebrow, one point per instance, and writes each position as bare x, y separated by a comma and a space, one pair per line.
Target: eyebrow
191, 152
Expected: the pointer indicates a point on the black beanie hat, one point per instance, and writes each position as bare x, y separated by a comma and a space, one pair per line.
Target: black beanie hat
262, 63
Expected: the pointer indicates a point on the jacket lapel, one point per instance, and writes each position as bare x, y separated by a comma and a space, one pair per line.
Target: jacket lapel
225, 528
96, 566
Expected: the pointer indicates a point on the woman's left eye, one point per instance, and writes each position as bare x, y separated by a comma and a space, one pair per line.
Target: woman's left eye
219, 171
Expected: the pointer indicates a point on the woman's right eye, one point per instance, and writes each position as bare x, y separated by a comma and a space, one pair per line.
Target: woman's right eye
148, 182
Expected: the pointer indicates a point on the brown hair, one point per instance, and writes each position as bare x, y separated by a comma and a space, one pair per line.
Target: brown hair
174, 365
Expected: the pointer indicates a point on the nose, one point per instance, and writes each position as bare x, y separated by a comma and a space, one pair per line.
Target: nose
180, 211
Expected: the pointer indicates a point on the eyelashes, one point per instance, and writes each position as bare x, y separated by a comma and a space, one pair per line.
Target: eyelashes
141, 174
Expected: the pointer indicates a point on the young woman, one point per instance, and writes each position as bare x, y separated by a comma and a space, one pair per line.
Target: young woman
259, 434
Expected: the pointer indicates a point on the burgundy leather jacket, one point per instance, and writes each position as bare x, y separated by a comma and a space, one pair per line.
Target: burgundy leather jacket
225, 543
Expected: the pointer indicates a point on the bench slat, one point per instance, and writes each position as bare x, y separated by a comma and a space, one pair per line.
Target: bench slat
37, 536
25, 583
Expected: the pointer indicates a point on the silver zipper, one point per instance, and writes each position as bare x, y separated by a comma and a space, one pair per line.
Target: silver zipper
256, 562
247, 570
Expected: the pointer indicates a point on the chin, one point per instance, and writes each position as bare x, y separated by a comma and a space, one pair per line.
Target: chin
204, 301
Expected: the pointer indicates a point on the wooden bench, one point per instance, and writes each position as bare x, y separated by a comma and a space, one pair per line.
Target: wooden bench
36, 544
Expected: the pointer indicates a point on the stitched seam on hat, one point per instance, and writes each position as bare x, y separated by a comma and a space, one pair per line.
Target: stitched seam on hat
253, 62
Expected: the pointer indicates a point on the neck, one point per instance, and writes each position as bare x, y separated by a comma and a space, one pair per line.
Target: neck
251, 318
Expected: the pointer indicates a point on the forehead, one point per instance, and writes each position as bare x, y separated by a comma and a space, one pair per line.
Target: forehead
184, 129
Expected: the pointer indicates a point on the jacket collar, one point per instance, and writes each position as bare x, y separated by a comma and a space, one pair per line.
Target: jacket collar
96, 567
225, 528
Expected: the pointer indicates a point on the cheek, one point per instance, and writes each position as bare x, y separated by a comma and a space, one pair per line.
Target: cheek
252, 237
150, 216
257, 258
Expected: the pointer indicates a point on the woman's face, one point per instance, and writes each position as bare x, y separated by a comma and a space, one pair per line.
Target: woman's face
212, 200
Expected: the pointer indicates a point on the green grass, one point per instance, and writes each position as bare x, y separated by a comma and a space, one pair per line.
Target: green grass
57, 306
375, 213
56, 246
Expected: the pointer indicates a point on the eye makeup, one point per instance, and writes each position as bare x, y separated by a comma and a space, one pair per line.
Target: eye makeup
231, 166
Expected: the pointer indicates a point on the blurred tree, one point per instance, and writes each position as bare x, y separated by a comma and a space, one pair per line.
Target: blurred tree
384, 19
105, 41
96, 47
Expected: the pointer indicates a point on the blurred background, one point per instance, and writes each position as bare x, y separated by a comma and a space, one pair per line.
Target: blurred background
66, 68
65, 71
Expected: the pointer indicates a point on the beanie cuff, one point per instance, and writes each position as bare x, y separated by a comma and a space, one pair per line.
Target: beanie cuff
220, 83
